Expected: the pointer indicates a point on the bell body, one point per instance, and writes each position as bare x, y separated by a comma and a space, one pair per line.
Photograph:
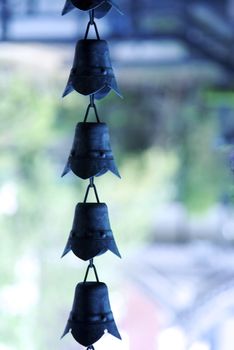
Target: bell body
91, 153
92, 72
91, 314
100, 7
91, 233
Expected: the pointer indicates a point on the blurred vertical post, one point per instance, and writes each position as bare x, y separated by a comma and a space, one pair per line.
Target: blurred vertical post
230, 10
31, 7
4, 19
135, 6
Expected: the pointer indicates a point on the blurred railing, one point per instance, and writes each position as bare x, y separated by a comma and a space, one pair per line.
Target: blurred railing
207, 27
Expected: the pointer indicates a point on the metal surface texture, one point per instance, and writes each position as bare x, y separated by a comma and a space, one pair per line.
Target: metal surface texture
91, 153
100, 7
92, 72
91, 233
91, 314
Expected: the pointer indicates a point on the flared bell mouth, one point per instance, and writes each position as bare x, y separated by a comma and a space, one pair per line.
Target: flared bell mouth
86, 168
87, 5
100, 7
87, 249
96, 332
89, 333
99, 85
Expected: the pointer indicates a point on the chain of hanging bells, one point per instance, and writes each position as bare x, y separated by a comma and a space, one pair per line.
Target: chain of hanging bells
91, 155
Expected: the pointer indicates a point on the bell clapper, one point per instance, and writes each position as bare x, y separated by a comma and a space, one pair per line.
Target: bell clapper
91, 17
91, 263
92, 100
91, 181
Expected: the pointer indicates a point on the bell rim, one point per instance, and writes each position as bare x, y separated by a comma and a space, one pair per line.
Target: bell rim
91, 123
110, 326
91, 203
101, 171
87, 255
90, 7
86, 283
93, 91
96, 7
88, 40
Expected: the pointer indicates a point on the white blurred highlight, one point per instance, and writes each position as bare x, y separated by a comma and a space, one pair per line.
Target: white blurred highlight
8, 199
199, 345
108, 342
172, 338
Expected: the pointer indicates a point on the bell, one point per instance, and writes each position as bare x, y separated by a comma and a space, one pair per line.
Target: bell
91, 154
100, 7
92, 73
91, 234
91, 314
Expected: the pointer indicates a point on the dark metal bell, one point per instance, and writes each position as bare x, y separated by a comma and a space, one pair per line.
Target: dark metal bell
91, 314
91, 153
91, 233
100, 7
92, 72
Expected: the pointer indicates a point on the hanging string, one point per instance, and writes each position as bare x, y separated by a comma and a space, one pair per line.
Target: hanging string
91, 23
91, 16
91, 105
91, 266
91, 347
91, 100
91, 185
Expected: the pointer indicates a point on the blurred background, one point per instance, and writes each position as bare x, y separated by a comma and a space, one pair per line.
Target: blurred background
172, 211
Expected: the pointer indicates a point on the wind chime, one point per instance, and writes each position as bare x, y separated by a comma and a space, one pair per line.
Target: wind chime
91, 155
